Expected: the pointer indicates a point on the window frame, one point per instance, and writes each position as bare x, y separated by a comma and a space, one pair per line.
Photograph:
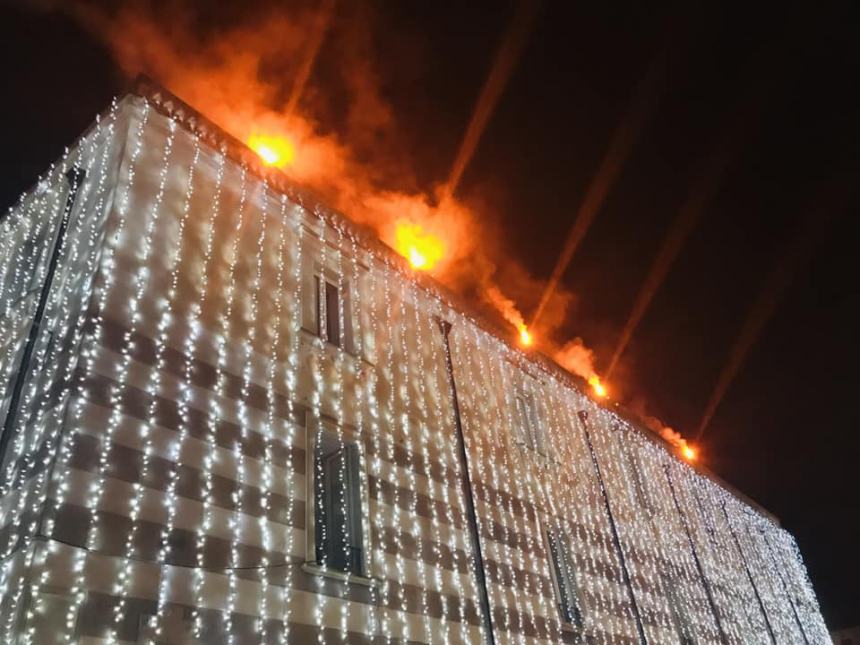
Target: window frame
315, 428
560, 537
324, 277
530, 431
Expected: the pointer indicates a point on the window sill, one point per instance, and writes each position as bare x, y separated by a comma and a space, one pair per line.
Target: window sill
570, 628
316, 570
333, 350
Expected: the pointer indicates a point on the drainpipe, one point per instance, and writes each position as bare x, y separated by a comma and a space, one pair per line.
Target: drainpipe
784, 587
445, 328
75, 177
583, 418
696, 557
749, 574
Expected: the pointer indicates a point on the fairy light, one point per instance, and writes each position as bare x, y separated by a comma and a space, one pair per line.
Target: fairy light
291, 379
141, 280
94, 237
186, 392
165, 322
201, 288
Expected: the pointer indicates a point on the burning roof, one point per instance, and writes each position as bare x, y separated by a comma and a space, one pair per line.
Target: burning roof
417, 249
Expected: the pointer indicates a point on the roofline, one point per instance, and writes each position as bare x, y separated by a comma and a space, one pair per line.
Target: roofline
171, 105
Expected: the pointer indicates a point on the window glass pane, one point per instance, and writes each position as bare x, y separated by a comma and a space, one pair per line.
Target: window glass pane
337, 517
317, 305
565, 576
332, 310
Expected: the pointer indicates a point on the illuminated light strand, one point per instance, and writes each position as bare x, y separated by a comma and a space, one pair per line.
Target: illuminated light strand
46, 366
338, 390
362, 378
165, 323
372, 348
318, 357
89, 271
237, 517
77, 273
435, 492
458, 542
140, 280
517, 462
388, 373
35, 215
103, 291
476, 466
291, 383
408, 428
482, 444
254, 320
215, 414
465, 542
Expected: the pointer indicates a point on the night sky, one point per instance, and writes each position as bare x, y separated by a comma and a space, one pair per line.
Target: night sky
771, 83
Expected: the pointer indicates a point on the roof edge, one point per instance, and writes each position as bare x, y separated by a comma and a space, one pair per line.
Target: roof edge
193, 120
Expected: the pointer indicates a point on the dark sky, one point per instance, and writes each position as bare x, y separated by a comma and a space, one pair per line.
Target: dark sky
779, 80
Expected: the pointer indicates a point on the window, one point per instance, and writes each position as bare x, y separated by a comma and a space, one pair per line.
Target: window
333, 310
528, 423
564, 575
680, 620
338, 531
639, 486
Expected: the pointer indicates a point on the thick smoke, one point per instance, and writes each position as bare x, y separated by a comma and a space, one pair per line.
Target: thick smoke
311, 76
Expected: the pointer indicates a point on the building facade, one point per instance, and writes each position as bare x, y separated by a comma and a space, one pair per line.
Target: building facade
229, 416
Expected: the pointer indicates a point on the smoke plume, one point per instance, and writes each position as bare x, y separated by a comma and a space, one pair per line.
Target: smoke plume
310, 76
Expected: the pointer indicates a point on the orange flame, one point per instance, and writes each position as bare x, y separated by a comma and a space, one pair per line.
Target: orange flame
273, 150
525, 335
422, 249
689, 452
598, 387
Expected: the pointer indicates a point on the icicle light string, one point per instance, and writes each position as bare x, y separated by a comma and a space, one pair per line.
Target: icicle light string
166, 306
96, 233
187, 388
250, 320
518, 486
140, 282
488, 414
339, 389
473, 413
216, 412
318, 368
291, 382
61, 311
460, 542
374, 386
90, 356
437, 493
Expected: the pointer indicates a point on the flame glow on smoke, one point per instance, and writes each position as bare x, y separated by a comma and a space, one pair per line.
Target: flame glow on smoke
273, 150
421, 248
525, 336
598, 387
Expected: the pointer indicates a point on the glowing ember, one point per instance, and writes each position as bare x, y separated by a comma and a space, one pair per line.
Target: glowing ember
525, 336
689, 453
597, 386
422, 249
274, 151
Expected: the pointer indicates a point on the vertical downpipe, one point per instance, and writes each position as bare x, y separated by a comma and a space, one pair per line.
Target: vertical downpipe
480, 575
749, 575
583, 419
699, 568
75, 177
